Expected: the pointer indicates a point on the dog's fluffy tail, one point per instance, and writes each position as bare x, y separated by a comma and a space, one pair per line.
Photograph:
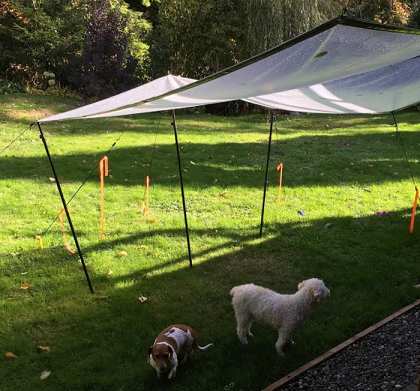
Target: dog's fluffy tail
202, 348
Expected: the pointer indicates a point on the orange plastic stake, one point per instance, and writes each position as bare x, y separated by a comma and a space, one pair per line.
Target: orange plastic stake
103, 172
279, 169
145, 206
63, 232
413, 212
145, 209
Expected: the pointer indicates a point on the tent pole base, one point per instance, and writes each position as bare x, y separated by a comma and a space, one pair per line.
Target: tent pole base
63, 201
182, 187
266, 173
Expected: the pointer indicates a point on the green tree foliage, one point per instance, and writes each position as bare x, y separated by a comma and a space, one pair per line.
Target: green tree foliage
137, 29
135, 40
195, 38
52, 35
382, 11
270, 22
415, 15
38, 36
114, 56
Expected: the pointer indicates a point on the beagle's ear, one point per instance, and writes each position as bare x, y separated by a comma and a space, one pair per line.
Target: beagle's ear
300, 285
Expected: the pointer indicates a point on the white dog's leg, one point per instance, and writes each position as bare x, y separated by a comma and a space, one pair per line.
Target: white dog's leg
172, 373
281, 340
243, 325
242, 332
249, 329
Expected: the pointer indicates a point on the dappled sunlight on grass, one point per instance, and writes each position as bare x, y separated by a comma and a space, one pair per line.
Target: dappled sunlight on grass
28, 115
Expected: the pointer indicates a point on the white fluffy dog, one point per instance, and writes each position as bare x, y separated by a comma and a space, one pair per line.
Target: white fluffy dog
283, 312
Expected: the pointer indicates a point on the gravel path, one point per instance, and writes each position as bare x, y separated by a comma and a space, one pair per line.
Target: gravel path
387, 359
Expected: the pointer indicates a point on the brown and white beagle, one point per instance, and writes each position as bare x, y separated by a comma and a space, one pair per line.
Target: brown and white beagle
172, 346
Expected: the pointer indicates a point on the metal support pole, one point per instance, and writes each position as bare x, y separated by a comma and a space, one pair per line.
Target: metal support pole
266, 172
182, 186
63, 201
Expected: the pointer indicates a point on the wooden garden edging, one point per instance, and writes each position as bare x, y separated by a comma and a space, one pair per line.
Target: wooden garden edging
325, 356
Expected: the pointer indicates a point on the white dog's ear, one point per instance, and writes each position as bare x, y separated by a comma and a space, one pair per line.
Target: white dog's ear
300, 285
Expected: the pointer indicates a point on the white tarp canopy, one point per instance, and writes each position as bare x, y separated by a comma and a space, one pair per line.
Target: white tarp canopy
135, 95
342, 66
384, 90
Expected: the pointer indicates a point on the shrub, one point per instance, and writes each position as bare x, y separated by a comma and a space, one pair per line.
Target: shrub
9, 87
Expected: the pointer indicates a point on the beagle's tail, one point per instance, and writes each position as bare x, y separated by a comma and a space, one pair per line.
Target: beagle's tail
202, 348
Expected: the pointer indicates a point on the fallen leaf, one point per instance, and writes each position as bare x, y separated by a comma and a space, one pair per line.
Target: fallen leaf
301, 213
142, 299
110, 273
193, 163
51, 179
23, 273
44, 375
25, 285
43, 349
10, 356
122, 253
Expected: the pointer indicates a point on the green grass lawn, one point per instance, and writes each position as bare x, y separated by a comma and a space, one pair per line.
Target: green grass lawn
341, 172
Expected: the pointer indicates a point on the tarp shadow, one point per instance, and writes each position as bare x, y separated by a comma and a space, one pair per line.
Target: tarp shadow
107, 335
340, 160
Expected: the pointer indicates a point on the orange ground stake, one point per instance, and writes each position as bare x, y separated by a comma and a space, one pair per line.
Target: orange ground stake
279, 169
103, 172
413, 212
145, 208
63, 233
145, 205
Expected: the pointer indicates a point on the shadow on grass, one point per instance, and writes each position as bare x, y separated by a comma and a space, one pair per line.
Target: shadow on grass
99, 342
339, 160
